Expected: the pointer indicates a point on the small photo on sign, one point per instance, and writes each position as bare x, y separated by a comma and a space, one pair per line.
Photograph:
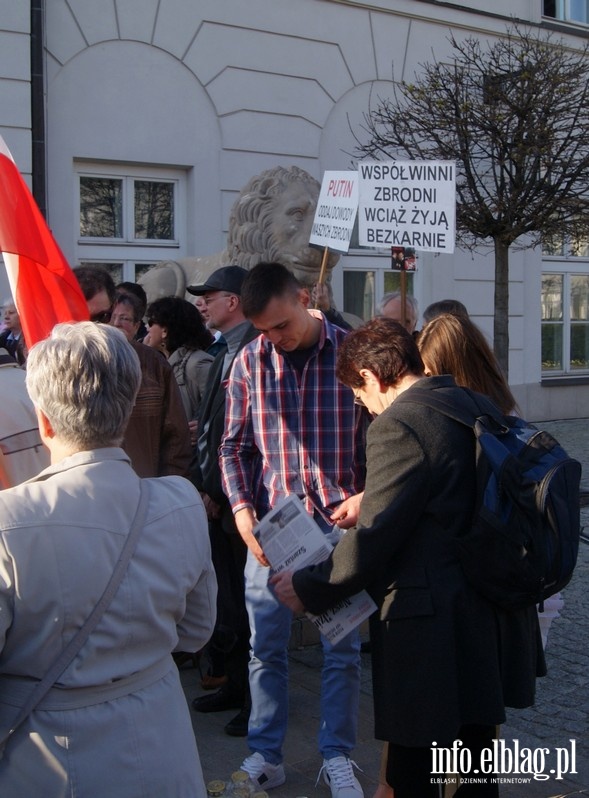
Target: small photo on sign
403, 259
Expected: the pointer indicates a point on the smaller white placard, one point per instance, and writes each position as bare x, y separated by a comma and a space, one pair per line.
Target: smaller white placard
336, 211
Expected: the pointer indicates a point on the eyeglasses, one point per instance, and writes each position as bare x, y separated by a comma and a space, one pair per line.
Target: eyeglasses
209, 299
101, 318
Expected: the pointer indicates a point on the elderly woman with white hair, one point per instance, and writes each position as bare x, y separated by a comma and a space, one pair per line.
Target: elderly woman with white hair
95, 707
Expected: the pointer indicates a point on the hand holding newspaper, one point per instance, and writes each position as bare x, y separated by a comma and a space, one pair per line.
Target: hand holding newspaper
291, 540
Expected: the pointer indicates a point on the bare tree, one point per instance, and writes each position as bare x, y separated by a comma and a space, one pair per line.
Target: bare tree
514, 115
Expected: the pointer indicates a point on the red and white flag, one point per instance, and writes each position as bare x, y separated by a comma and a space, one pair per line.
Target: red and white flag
44, 288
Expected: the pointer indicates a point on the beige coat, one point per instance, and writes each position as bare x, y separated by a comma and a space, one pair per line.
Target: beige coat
22, 454
117, 725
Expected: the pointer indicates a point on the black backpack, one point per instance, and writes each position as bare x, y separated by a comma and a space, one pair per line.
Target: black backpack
523, 543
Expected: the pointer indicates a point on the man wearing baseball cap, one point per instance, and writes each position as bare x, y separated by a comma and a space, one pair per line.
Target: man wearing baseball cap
221, 292
227, 279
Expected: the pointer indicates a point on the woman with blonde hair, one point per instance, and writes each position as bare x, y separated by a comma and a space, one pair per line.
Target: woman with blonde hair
454, 345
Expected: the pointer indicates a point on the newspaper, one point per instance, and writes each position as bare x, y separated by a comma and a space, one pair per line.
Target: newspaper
292, 540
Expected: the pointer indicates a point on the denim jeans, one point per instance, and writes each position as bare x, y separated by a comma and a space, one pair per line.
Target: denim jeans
270, 623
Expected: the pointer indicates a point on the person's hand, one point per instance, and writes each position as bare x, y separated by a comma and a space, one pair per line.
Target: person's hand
320, 296
245, 522
346, 514
213, 509
285, 592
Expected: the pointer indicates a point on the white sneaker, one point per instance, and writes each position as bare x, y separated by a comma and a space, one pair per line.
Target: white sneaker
262, 773
339, 777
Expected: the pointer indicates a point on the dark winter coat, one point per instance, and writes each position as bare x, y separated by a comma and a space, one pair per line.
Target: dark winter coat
443, 656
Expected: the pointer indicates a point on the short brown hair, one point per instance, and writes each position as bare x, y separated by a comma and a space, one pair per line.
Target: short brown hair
93, 280
384, 347
265, 282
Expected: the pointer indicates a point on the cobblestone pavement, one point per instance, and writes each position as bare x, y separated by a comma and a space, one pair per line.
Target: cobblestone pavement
561, 711
560, 715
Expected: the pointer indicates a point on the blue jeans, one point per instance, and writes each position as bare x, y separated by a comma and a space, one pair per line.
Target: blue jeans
270, 623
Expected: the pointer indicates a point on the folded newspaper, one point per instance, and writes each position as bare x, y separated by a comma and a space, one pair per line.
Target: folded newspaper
291, 540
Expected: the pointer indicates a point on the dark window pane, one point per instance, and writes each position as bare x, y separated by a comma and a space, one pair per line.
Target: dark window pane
550, 8
579, 346
154, 210
101, 207
551, 347
359, 293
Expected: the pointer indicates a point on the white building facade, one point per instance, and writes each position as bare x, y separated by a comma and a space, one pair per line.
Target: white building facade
139, 121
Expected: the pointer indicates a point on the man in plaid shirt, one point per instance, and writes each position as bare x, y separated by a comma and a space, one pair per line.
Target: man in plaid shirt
290, 428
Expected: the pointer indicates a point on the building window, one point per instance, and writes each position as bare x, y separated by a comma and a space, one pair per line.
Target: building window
559, 246
101, 207
565, 323
128, 217
567, 10
154, 210
363, 289
126, 208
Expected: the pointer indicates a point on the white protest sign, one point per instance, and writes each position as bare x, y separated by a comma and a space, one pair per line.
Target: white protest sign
408, 204
336, 211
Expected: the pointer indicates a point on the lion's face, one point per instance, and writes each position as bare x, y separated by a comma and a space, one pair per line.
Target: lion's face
291, 222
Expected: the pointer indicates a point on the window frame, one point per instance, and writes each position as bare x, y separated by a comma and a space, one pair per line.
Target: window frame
567, 268
563, 13
377, 262
130, 252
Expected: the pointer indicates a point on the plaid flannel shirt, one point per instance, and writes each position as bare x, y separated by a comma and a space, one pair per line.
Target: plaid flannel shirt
287, 433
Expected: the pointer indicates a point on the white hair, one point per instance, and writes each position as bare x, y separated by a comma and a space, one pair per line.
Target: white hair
85, 378
409, 299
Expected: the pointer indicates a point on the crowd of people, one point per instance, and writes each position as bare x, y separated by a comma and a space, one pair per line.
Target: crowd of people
154, 440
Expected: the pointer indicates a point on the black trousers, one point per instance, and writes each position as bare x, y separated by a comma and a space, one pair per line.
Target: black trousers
230, 640
409, 770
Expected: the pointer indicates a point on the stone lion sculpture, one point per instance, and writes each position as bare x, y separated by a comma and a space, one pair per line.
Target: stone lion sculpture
271, 220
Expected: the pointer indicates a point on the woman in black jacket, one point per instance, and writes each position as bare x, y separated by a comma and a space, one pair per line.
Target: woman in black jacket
442, 670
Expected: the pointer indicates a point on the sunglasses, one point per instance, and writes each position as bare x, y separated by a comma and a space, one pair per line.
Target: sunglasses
101, 318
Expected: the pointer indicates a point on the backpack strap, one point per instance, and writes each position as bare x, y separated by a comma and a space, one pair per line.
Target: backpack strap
180, 368
484, 419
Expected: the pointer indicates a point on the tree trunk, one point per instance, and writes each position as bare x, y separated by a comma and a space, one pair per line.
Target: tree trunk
501, 319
